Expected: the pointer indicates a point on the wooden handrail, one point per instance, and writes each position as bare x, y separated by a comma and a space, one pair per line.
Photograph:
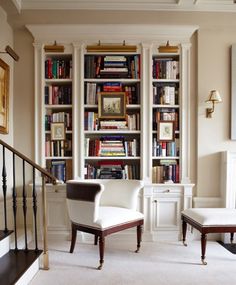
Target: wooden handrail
22, 156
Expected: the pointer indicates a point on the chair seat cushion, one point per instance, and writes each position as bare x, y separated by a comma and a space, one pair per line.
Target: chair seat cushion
113, 216
211, 216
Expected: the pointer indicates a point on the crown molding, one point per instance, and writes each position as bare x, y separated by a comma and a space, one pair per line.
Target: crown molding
118, 32
145, 5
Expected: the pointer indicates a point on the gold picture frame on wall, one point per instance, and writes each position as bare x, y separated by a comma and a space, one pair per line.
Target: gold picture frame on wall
4, 97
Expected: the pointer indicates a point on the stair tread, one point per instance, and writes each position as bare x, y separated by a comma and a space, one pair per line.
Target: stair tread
15, 263
4, 235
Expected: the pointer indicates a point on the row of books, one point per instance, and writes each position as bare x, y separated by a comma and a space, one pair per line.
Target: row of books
166, 114
167, 171
61, 169
165, 148
58, 94
165, 68
58, 117
111, 147
58, 148
92, 123
132, 91
58, 68
112, 66
165, 94
112, 170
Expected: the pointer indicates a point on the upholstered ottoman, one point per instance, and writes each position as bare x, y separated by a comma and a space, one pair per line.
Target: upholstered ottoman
209, 220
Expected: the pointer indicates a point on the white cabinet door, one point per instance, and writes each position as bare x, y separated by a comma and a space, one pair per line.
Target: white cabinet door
166, 213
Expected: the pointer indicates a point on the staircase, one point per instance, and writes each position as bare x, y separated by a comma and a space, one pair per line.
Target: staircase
20, 257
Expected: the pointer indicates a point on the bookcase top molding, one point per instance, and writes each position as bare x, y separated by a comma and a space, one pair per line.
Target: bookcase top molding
118, 32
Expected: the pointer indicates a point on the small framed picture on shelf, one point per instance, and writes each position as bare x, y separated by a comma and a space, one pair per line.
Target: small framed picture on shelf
166, 131
58, 132
111, 105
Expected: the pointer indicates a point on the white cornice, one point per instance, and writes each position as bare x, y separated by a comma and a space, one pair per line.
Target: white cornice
17, 4
156, 5
119, 32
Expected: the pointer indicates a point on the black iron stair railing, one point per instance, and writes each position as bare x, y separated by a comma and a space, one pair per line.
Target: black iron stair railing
45, 176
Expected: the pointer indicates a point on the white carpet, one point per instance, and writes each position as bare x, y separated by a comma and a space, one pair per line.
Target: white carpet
157, 263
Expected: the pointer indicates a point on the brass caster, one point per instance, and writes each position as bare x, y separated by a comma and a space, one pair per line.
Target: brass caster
184, 243
100, 266
204, 262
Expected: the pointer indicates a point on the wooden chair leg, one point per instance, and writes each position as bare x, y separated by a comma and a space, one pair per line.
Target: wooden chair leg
73, 237
203, 245
231, 237
184, 230
95, 239
139, 237
101, 251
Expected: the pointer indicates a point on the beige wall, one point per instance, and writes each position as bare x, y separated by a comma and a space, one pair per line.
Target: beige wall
6, 38
210, 69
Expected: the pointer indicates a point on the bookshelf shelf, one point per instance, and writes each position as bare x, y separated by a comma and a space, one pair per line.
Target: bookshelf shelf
115, 131
112, 158
60, 106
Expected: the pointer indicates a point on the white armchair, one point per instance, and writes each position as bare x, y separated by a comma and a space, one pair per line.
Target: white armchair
102, 207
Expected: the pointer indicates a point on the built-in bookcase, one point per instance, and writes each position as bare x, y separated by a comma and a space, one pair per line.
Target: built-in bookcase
166, 112
112, 143
57, 114
155, 88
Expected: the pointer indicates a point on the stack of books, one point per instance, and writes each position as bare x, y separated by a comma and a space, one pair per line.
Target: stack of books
114, 66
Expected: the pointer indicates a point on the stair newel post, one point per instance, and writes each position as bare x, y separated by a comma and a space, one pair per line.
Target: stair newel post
4, 187
24, 206
35, 210
45, 241
14, 199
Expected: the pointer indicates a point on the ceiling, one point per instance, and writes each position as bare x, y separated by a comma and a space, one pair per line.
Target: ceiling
156, 5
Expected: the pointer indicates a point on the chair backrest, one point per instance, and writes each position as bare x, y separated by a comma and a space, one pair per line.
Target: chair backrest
120, 193
83, 201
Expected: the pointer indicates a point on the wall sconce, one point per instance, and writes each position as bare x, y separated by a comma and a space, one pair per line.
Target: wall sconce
214, 97
11, 52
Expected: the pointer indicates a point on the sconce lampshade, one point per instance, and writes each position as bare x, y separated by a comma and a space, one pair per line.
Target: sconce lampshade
214, 96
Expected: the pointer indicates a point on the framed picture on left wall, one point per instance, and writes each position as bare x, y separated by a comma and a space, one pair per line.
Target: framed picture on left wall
4, 97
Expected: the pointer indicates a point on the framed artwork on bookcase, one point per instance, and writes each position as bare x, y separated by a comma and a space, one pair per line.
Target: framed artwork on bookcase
166, 131
111, 105
58, 132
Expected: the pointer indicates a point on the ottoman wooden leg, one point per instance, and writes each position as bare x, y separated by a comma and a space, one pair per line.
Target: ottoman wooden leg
95, 239
231, 237
184, 229
203, 246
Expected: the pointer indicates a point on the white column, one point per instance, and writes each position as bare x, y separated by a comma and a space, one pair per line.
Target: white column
78, 111
39, 134
146, 112
185, 106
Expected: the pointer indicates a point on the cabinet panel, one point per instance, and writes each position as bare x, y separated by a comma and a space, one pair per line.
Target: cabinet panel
166, 213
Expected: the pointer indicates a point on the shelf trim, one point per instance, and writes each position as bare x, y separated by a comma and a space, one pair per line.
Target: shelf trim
112, 157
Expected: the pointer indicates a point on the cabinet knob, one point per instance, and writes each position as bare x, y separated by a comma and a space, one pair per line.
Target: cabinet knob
155, 201
56, 190
167, 191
